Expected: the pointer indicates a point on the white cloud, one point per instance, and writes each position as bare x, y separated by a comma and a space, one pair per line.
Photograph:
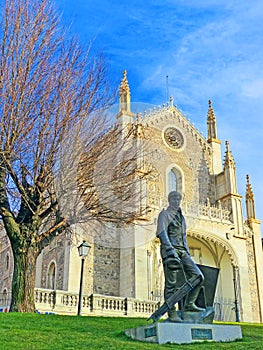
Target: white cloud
253, 89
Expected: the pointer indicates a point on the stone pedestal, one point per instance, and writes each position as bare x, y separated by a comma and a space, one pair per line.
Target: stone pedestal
179, 333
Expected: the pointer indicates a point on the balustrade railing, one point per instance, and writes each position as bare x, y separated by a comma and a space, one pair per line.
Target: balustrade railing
62, 302
212, 212
5, 300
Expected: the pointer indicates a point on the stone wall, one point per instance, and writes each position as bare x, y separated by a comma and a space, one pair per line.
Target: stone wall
54, 253
106, 270
6, 264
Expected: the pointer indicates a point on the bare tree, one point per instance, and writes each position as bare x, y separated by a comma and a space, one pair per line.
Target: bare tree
48, 86
62, 159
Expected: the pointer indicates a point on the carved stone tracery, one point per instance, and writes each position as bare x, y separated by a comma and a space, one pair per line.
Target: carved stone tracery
252, 276
173, 138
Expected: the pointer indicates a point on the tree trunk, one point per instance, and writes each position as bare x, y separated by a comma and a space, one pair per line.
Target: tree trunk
23, 283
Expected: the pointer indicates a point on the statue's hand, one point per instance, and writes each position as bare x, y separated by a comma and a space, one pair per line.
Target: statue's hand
173, 261
171, 252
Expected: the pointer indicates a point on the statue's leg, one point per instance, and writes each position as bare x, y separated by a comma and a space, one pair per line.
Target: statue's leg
191, 269
171, 275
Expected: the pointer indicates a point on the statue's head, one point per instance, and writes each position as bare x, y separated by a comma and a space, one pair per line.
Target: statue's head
174, 199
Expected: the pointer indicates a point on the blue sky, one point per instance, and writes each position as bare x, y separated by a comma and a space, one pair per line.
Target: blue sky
209, 49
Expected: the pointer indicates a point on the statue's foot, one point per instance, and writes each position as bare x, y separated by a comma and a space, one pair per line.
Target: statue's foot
193, 308
175, 318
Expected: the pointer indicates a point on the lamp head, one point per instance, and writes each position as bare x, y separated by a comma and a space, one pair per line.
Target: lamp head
84, 249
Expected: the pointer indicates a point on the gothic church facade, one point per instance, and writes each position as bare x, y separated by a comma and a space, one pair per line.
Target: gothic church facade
125, 261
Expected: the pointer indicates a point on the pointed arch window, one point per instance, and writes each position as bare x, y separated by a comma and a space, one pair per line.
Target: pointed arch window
174, 180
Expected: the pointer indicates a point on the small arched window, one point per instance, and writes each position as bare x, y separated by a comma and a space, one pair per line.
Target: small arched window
7, 262
51, 276
5, 299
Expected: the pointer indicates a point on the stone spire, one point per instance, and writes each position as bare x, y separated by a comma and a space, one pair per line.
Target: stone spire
230, 171
125, 96
231, 197
250, 202
213, 141
211, 123
229, 159
124, 116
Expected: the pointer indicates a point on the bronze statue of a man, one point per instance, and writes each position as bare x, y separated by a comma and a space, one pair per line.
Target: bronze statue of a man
171, 230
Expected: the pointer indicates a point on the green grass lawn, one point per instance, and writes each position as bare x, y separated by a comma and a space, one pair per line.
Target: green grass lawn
33, 331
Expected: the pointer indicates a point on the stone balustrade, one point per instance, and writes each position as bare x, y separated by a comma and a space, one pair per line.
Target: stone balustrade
211, 212
62, 302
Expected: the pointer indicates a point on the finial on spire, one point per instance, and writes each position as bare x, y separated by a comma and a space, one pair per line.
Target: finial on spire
229, 159
211, 114
124, 83
125, 115
124, 86
249, 191
250, 202
125, 96
211, 123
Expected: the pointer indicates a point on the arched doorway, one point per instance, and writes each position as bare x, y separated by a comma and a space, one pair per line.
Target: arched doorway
206, 249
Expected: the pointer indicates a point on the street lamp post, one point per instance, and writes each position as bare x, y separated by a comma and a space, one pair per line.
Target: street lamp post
83, 249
